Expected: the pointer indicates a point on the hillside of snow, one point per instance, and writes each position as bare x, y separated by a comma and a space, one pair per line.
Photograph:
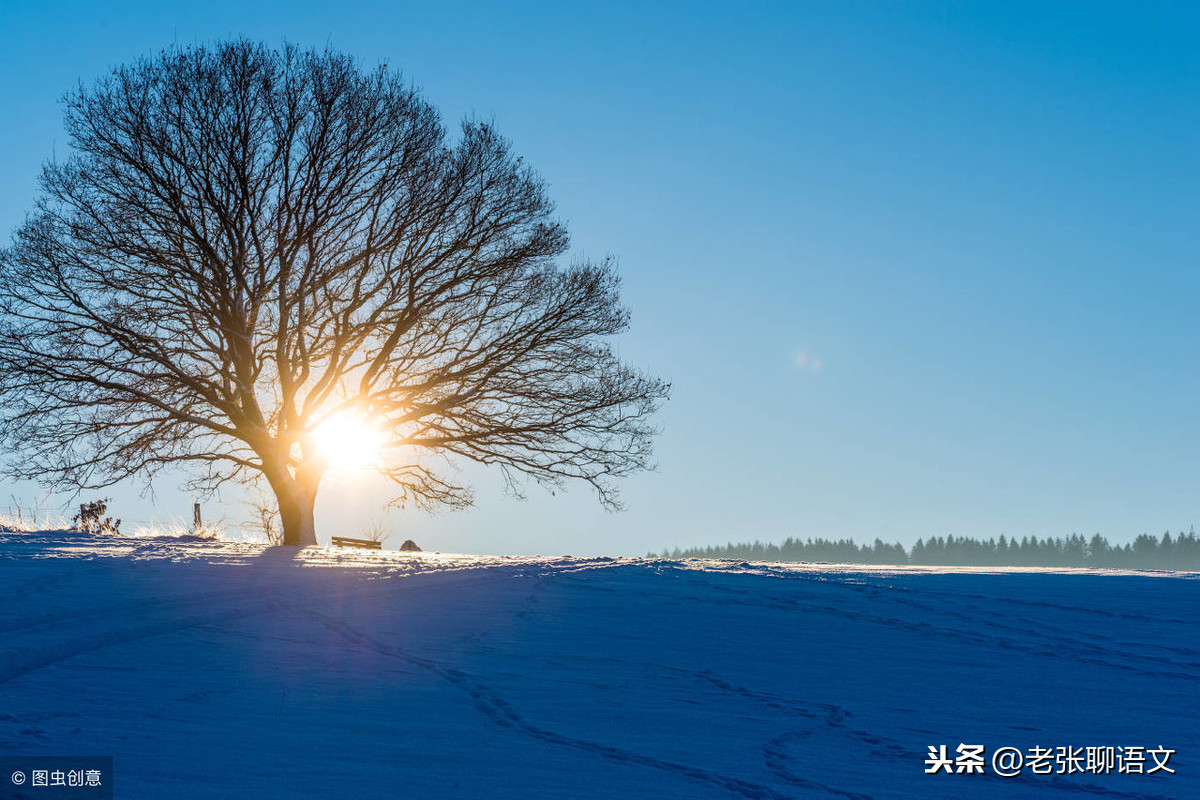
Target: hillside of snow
218, 670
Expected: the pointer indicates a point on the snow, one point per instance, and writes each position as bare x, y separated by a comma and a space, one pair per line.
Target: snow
215, 669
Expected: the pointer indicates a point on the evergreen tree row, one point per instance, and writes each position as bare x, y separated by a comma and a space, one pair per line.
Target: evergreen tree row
1181, 552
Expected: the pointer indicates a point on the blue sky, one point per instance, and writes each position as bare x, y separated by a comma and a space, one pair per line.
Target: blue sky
914, 269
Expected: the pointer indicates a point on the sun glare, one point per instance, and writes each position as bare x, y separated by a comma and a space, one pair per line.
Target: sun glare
349, 442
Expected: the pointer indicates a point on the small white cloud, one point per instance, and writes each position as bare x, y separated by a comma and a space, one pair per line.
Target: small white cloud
808, 362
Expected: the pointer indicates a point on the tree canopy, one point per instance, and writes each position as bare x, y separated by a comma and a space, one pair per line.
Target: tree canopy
247, 243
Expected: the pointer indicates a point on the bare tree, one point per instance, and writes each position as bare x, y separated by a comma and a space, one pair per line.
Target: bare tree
377, 531
245, 243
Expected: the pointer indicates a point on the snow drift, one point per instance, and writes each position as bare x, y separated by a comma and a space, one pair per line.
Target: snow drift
212, 669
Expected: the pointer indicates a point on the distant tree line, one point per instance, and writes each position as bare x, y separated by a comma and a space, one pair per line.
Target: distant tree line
1181, 552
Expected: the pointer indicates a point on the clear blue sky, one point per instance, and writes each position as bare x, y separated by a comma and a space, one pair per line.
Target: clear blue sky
914, 268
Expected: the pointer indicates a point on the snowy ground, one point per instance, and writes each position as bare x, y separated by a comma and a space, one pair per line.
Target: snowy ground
230, 671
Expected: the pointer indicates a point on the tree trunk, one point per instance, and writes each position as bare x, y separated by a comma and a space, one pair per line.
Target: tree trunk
299, 529
297, 498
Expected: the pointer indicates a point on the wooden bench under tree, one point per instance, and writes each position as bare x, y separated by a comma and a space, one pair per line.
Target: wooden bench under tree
365, 544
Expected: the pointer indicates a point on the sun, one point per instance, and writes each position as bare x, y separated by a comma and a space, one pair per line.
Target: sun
349, 441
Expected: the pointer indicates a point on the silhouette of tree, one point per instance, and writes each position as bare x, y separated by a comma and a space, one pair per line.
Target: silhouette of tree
246, 243
1181, 552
